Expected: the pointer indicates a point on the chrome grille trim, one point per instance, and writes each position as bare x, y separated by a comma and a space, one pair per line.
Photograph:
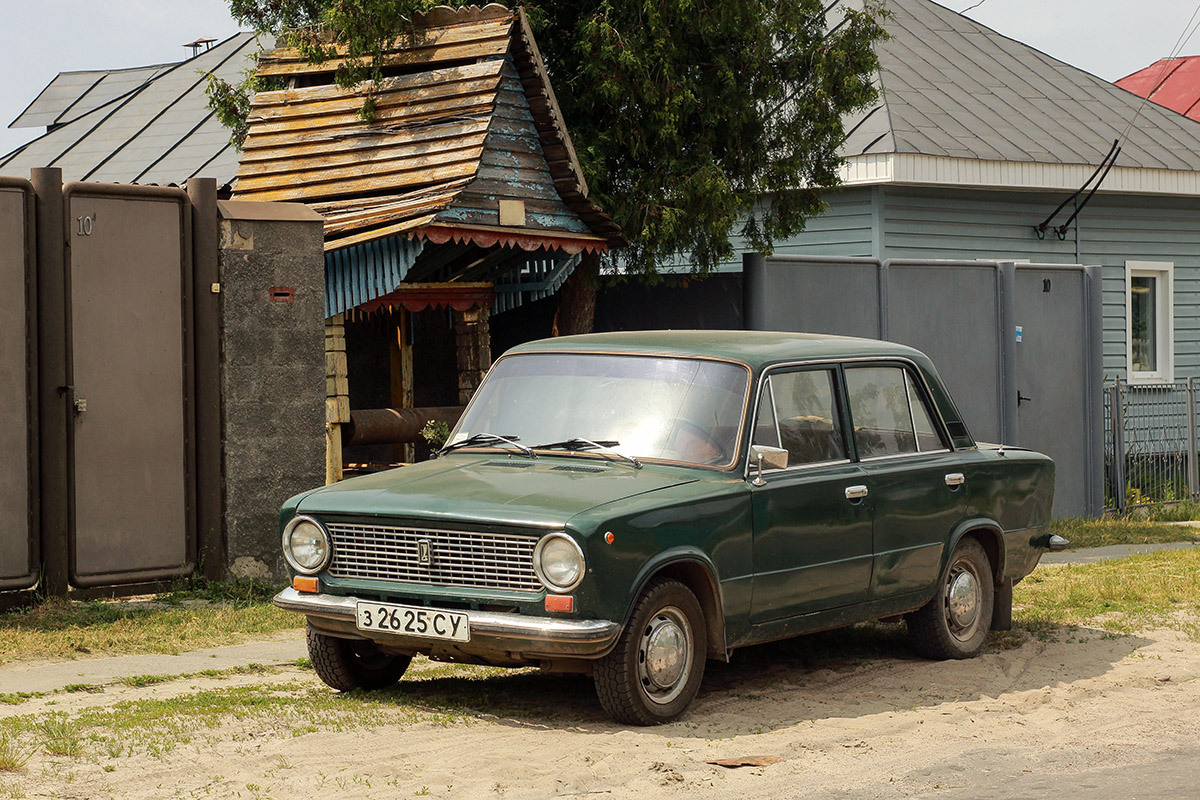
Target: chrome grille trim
460, 558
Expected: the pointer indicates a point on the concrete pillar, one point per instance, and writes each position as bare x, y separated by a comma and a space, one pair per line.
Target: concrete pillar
273, 370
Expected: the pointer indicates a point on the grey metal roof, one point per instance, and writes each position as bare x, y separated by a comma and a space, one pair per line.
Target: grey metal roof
951, 87
155, 126
72, 94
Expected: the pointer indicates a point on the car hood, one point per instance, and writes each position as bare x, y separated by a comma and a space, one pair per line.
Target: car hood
493, 489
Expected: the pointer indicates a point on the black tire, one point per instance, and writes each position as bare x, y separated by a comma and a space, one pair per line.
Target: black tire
347, 664
955, 623
640, 691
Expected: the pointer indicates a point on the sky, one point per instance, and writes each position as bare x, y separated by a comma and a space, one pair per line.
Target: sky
1109, 38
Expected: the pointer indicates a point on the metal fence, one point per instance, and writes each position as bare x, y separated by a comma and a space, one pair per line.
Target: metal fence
1150, 447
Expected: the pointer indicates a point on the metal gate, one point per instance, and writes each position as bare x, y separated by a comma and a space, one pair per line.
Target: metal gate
19, 536
1019, 345
129, 383
1058, 403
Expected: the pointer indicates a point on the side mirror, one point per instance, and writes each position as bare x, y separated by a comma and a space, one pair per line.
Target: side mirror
767, 457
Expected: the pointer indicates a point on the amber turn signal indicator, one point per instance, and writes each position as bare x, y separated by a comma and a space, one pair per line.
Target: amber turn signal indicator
305, 583
560, 602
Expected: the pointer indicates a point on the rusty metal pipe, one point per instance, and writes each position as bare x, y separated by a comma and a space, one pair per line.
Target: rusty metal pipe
394, 425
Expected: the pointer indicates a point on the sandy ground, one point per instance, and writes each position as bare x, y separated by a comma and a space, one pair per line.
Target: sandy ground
849, 715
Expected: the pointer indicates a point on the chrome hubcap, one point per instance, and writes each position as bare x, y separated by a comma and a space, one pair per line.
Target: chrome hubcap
963, 600
665, 655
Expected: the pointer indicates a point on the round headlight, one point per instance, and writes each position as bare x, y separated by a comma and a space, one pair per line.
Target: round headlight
306, 545
558, 562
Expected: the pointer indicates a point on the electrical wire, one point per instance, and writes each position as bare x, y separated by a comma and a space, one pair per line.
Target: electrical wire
1110, 160
1184, 37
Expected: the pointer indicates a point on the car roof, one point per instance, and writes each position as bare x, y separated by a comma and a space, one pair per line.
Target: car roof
754, 348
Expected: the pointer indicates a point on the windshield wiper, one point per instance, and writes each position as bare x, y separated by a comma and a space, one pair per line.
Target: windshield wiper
604, 445
483, 437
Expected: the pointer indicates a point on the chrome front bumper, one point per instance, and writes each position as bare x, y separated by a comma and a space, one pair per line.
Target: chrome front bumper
491, 632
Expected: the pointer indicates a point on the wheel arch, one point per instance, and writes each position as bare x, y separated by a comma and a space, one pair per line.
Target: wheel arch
990, 536
698, 575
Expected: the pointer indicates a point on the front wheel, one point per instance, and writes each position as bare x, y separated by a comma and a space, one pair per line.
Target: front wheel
955, 623
347, 664
655, 670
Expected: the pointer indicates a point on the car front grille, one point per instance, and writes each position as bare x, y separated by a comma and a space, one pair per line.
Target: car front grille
456, 558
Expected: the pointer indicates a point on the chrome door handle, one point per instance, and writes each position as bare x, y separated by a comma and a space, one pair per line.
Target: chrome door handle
856, 492
955, 479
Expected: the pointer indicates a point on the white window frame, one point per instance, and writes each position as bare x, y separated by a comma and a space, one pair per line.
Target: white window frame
1164, 273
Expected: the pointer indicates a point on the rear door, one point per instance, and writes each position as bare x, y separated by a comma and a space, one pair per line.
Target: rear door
917, 484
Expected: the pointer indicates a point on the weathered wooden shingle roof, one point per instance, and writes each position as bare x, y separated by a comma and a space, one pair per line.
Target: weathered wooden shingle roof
144, 125
951, 87
464, 119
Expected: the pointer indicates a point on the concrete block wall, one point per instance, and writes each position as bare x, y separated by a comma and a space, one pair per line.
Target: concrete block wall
273, 379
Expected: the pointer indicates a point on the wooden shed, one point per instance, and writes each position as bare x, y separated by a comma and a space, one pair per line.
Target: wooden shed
462, 193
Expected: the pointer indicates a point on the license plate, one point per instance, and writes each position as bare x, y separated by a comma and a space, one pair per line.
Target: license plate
412, 621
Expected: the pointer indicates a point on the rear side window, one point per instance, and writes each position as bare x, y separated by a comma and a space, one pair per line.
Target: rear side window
890, 416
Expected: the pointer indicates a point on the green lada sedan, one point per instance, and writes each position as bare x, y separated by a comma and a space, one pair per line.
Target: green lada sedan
629, 505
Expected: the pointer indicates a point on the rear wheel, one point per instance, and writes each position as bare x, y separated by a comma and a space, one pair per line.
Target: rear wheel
347, 664
955, 623
655, 670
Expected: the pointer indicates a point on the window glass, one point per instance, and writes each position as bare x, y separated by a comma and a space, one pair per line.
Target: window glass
879, 406
927, 435
765, 432
1143, 327
809, 428
677, 409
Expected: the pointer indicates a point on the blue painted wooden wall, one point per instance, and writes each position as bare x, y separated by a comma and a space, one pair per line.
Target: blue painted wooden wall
920, 222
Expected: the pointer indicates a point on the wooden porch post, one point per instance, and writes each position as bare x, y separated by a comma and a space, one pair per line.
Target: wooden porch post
474, 342
402, 374
337, 395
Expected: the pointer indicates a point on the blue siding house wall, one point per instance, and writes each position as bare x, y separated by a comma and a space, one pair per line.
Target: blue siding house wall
946, 223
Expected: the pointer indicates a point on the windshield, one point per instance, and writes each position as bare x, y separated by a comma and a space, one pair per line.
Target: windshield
671, 409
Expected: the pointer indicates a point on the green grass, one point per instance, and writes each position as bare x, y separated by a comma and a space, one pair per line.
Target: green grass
1119, 530
1168, 512
13, 756
156, 726
202, 615
1122, 596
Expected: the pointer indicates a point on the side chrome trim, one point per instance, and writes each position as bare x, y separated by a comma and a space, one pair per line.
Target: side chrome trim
484, 624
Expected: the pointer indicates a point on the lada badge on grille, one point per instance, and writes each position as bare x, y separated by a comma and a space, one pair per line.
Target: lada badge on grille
425, 553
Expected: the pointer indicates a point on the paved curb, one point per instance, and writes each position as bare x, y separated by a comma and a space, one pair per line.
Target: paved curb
47, 677
1090, 555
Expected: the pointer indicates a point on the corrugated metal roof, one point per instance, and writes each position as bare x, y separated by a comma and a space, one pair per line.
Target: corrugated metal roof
951, 87
157, 129
470, 120
1170, 82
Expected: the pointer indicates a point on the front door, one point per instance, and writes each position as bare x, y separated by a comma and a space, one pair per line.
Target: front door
812, 520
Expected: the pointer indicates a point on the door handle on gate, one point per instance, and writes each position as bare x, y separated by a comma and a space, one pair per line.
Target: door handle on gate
955, 479
856, 492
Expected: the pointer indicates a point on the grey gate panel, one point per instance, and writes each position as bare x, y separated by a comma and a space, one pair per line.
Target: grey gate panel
965, 315
129, 282
19, 535
815, 295
951, 311
1058, 380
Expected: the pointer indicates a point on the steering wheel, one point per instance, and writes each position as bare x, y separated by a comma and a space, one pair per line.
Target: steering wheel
697, 444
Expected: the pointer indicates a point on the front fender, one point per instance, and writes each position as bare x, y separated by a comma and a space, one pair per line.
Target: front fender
688, 564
